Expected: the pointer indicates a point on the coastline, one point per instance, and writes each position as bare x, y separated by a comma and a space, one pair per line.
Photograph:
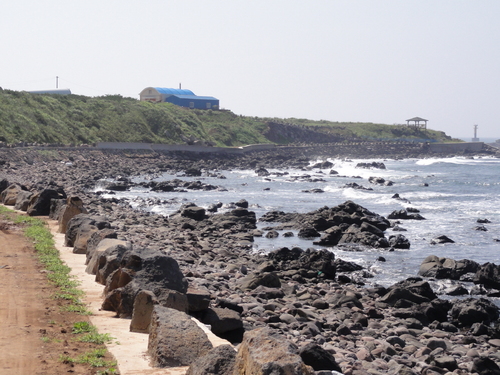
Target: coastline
366, 343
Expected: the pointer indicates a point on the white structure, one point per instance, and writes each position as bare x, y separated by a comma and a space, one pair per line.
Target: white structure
52, 92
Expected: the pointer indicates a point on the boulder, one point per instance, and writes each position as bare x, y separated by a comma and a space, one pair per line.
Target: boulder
404, 215
23, 200
308, 263
243, 203
198, 299
221, 320
441, 240
264, 352
446, 268
108, 262
175, 339
143, 309
39, 204
9, 195
81, 221
95, 241
485, 366
489, 275
252, 281
73, 207
4, 184
318, 358
194, 212
308, 233
218, 361
149, 270
468, 311
56, 206
399, 242
104, 245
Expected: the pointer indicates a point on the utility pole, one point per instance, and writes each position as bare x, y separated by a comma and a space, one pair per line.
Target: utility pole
57, 82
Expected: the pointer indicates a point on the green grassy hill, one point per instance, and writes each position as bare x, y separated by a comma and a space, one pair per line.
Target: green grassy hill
77, 119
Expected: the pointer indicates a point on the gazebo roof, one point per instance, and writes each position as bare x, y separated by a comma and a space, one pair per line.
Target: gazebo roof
417, 119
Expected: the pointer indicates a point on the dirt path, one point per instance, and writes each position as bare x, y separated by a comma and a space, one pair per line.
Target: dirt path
34, 331
22, 307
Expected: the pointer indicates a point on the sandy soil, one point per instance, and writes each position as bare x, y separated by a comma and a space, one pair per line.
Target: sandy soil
34, 331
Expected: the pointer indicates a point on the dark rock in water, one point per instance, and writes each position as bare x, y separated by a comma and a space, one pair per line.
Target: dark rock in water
272, 234
489, 275
323, 165
262, 172
380, 181
445, 268
316, 191
441, 240
263, 351
345, 266
118, 186
288, 234
318, 358
192, 172
333, 172
218, 361
396, 196
404, 215
243, 203
353, 185
397, 228
372, 165
469, 311
481, 228
399, 242
175, 339
308, 233
483, 221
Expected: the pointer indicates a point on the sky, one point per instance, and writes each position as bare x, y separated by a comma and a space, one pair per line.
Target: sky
380, 61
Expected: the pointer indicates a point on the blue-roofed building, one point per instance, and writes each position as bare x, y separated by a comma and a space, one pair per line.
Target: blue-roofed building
180, 97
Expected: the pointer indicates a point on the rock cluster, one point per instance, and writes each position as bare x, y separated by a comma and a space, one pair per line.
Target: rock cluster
292, 311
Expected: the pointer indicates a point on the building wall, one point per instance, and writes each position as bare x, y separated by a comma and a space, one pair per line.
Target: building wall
193, 103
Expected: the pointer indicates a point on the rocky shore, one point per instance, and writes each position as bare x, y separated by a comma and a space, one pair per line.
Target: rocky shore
291, 311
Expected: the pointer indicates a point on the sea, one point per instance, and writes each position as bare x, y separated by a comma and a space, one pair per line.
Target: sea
450, 193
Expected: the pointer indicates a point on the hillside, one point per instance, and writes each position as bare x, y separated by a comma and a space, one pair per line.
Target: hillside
74, 119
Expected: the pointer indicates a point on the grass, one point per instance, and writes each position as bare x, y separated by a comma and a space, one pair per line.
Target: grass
90, 333
94, 358
74, 119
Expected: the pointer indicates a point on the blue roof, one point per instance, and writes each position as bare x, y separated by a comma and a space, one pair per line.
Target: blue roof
167, 91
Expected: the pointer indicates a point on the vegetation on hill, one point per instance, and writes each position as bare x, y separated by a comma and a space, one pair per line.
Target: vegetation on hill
74, 119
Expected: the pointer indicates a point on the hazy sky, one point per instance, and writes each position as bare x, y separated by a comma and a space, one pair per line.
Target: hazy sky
349, 60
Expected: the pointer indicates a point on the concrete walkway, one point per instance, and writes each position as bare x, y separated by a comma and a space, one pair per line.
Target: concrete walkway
129, 348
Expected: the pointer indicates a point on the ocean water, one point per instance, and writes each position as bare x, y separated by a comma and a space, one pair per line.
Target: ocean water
451, 194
